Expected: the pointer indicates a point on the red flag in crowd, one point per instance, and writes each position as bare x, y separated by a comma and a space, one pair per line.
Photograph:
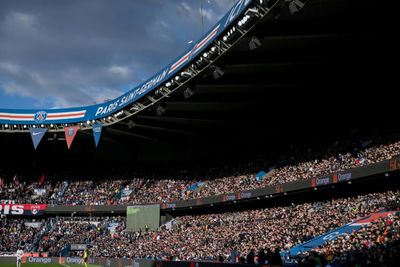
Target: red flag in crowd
1, 182
41, 181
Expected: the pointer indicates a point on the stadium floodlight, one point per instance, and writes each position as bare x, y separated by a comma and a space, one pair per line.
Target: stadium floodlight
295, 5
186, 74
119, 113
24, 126
188, 93
15, 126
109, 117
243, 21
51, 125
87, 122
135, 107
34, 126
81, 123
6, 125
254, 43
168, 84
205, 55
225, 38
177, 78
93, 121
42, 125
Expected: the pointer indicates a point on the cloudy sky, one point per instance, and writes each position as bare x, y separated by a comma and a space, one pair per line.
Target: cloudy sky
79, 52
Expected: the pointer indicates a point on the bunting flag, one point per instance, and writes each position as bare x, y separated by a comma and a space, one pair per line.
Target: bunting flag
97, 132
70, 133
37, 135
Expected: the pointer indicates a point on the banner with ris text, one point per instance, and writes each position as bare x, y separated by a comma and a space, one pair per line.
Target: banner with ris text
70, 133
37, 135
22, 209
97, 132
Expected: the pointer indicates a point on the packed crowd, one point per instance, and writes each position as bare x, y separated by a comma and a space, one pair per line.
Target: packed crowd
19, 233
183, 186
68, 231
92, 193
17, 192
230, 235
235, 234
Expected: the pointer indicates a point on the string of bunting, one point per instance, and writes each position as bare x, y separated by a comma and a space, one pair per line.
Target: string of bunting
37, 134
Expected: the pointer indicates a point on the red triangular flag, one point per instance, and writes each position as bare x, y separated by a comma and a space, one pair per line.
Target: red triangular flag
70, 133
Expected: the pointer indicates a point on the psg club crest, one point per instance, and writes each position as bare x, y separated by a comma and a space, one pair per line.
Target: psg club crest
40, 116
34, 209
71, 132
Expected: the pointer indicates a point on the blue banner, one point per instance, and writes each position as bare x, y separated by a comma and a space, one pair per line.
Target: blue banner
193, 187
97, 132
37, 135
260, 176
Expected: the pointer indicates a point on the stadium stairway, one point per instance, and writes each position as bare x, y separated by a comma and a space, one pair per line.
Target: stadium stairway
332, 235
35, 244
62, 192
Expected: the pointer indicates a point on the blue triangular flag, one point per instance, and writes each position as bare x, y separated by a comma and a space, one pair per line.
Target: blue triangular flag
97, 132
37, 135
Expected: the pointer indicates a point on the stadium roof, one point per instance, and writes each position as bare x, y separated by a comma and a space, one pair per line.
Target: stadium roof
311, 77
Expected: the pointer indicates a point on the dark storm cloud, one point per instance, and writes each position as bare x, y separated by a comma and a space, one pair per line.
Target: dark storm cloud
69, 53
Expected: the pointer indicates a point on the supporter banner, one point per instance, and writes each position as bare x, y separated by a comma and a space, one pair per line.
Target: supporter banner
260, 175
195, 186
70, 133
22, 209
37, 135
36, 225
39, 191
97, 132
332, 235
88, 113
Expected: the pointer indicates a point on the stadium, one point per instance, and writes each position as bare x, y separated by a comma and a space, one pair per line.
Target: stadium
273, 140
